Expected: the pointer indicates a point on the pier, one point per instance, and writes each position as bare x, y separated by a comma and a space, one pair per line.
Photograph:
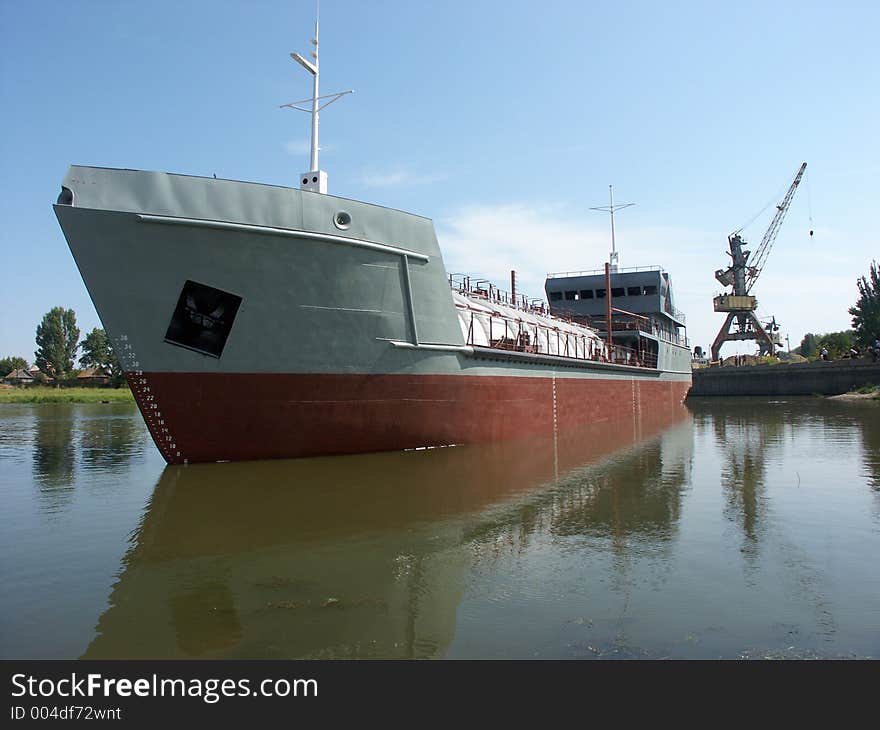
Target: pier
804, 378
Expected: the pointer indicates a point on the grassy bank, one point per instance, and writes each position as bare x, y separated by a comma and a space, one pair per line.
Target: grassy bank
866, 392
65, 395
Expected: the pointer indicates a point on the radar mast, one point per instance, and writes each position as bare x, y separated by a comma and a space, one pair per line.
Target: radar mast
612, 259
315, 179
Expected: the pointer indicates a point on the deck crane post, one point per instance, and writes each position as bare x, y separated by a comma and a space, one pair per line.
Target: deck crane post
740, 305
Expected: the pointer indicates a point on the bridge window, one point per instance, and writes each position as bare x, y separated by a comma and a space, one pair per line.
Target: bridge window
634, 291
650, 290
586, 293
571, 295
555, 296
617, 291
600, 293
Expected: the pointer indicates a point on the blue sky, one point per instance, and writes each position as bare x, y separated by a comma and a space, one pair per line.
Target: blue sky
502, 121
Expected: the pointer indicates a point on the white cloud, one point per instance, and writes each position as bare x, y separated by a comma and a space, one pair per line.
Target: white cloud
396, 177
298, 147
805, 292
537, 239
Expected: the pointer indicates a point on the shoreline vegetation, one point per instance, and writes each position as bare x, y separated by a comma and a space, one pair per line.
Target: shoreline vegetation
47, 394
866, 392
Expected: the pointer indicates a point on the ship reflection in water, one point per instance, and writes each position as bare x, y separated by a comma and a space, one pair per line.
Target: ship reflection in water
727, 528
370, 556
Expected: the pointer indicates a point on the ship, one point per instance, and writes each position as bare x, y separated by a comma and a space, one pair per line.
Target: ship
256, 321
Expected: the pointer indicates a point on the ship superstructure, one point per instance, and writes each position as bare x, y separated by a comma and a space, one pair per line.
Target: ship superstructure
644, 319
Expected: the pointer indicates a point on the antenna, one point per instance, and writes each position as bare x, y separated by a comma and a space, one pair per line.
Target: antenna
316, 179
612, 259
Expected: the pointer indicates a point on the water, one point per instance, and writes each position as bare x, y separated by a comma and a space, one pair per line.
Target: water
730, 528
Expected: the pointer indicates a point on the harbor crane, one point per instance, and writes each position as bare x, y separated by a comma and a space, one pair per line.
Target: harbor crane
743, 272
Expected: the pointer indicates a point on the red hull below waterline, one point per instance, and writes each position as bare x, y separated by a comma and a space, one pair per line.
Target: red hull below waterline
197, 417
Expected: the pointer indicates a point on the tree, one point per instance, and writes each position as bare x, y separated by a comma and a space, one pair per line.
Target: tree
808, 346
97, 352
57, 342
866, 312
13, 362
837, 343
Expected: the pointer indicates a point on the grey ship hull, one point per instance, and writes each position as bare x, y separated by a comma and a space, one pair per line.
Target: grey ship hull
251, 325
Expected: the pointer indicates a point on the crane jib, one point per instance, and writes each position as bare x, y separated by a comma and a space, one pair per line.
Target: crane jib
770, 236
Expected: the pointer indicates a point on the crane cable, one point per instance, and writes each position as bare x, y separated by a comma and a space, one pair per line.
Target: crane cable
809, 203
757, 215
754, 217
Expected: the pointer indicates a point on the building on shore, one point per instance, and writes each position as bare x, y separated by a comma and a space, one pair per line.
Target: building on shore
93, 376
20, 376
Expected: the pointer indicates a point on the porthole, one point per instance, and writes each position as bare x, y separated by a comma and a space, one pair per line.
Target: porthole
342, 220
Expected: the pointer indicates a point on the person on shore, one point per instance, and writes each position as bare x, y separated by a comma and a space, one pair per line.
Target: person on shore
824, 353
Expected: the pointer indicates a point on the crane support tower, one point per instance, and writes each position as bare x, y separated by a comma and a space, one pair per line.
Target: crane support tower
740, 304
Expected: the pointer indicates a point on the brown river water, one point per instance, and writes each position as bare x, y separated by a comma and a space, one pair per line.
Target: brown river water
726, 528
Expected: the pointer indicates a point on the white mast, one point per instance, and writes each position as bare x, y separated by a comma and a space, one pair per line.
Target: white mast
315, 93
612, 259
315, 179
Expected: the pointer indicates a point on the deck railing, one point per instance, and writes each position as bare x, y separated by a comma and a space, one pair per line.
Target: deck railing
507, 333
596, 272
677, 313
674, 338
484, 289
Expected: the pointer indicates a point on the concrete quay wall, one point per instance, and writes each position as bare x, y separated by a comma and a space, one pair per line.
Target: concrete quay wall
805, 378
